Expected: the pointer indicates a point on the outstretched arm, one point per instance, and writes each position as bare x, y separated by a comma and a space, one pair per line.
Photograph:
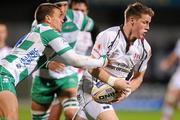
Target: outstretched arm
74, 59
169, 62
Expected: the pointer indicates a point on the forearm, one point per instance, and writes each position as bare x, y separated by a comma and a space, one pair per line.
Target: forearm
117, 83
100, 73
136, 81
77, 60
171, 59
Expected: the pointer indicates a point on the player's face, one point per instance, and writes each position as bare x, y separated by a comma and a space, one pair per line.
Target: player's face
56, 20
63, 6
141, 26
3, 33
80, 7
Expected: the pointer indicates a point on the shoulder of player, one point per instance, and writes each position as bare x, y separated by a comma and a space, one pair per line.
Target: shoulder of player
147, 47
146, 44
46, 28
108, 35
110, 32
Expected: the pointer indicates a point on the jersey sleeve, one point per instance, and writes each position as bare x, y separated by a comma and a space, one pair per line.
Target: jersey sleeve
177, 48
142, 65
101, 45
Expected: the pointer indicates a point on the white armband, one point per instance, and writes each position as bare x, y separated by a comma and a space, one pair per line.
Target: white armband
111, 81
47, 63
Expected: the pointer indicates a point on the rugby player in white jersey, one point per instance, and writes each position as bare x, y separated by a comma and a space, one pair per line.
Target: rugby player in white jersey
29, 54
4, 49
127, 50
172, 96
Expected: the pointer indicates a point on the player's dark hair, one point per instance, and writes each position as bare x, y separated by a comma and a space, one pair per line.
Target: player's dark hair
56, 1
137, 9
79, 1
43, 10
3, 22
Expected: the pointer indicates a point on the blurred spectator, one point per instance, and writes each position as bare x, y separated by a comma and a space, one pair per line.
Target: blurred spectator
173, 91
83, 36
4, 49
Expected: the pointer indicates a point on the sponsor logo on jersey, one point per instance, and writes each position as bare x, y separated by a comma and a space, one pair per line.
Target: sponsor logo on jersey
120, 67
99, 84
28, 58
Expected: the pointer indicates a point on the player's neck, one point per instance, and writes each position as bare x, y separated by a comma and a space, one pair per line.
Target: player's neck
128, 33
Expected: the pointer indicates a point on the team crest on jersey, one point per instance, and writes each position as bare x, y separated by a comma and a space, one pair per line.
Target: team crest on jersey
136, 57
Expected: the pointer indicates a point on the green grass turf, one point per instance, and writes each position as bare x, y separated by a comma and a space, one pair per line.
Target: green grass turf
123, 115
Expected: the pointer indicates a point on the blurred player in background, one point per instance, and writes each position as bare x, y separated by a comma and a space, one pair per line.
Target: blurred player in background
127, 51
80, 5
172, 96
66, 77
29, 54
83, 46
84, 40
4, 49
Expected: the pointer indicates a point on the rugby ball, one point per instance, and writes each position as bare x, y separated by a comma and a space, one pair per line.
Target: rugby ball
103, 93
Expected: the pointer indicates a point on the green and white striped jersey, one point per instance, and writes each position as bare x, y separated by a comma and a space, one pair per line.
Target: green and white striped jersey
75, 23
29, 51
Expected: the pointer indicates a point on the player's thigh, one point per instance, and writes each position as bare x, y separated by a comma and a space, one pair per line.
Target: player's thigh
68, 93
77, 117
8, 104
96, 110
172, 95
43, 90
68, 100
68, 88
39, 107
8, 99
107, 115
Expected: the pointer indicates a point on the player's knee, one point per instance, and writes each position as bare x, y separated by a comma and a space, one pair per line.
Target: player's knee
170, 99
70, 103
70, 106
10, 114
40, 115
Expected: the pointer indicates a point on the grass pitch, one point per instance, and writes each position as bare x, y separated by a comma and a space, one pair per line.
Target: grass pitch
25, 114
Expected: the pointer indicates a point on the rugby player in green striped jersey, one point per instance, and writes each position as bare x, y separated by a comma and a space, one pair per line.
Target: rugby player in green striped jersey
28, 54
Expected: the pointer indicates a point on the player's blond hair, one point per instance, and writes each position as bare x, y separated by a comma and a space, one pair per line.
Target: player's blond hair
137, 9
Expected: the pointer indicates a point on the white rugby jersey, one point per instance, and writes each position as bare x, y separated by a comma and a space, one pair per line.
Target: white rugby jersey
71, 29
29, 50
177, 49
4, 51
113, 43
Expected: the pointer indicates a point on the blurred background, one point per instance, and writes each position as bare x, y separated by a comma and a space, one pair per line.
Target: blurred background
163, 34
